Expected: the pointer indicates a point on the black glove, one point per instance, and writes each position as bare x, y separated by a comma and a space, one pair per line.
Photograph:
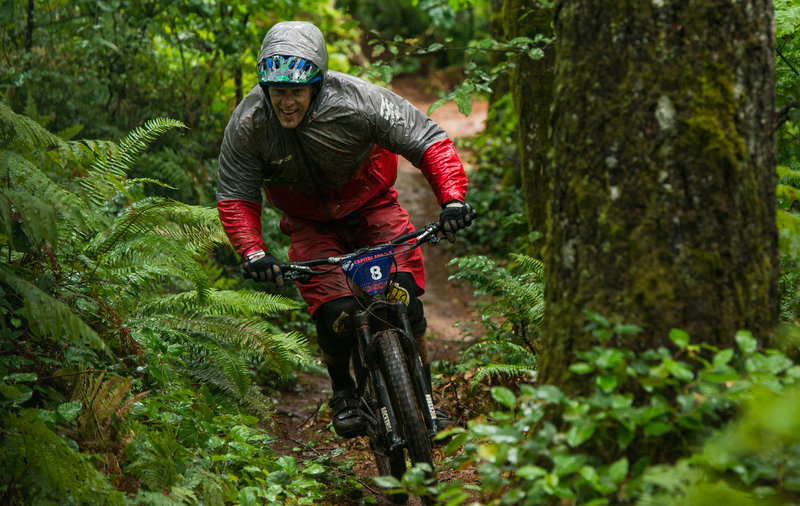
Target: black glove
455, 216
262, 266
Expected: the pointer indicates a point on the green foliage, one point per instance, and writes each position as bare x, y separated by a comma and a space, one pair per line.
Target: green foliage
510, 314
787, 32
789, 241
112, 322
39, 466
101, 66
654, 428
409, 35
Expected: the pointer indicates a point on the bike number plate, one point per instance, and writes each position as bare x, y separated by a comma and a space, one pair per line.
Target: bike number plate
370, 271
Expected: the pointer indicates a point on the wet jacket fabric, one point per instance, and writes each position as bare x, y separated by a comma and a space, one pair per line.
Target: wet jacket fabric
341, 156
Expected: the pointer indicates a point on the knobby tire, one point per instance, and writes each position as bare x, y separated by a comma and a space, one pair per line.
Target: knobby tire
404, 401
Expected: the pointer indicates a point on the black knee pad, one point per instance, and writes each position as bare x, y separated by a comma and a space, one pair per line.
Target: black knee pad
416, 312
335, 325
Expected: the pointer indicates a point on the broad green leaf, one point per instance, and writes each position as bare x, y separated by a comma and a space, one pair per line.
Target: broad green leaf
69, 411
747, 343
607, 383
723, 357
580, 432
568, 464
627, 329
530, 472
386, 481
679, 370
679, 337
504, 396
581, 368
656, 428
618, 470
21, 377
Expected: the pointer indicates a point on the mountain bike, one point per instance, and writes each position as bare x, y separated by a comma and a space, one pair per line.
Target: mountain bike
395, 400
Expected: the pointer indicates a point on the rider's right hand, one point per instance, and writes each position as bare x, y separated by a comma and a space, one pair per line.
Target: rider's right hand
262, 266
455, 216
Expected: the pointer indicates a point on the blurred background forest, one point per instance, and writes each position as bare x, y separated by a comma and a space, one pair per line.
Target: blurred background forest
136, 367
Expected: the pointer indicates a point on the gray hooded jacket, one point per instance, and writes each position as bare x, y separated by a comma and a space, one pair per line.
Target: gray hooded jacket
347, 118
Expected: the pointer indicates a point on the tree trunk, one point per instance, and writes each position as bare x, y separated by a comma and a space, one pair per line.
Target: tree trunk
663, 212
532, 85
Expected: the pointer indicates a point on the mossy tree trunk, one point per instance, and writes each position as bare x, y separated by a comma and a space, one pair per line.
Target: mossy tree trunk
663, 210
532, 85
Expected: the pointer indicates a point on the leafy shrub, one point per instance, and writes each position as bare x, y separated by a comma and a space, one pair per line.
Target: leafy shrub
690, 424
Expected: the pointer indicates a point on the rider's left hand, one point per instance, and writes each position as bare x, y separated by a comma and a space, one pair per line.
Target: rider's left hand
455, 216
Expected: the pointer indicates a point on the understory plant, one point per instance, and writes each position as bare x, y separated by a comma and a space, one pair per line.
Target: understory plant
686, 424
125, 354
510, 302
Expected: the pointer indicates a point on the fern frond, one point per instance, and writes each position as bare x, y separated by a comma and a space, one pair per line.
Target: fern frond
280, 350
788, 232
499, 370
154, 455
50, 317
140, 217
529, 263
22, 134
219, 303
25, 136
108, 175
38, 200
102, 399
45, 469
208, 373
788, 177
506, 346
138, 140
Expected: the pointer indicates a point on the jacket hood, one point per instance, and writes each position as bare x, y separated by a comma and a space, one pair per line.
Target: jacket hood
296, 38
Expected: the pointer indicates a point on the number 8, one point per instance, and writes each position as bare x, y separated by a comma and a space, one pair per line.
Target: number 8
375, 271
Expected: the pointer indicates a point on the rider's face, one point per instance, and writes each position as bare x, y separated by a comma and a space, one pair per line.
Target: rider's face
290, 104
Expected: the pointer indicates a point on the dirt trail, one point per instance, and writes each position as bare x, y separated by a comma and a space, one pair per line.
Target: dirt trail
303, 420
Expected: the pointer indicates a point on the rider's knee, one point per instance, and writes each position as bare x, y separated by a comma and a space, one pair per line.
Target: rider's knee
335, 325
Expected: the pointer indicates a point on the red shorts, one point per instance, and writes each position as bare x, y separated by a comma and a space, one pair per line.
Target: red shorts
378, 221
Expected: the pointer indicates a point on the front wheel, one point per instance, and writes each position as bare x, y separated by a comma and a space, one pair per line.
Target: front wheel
404, 400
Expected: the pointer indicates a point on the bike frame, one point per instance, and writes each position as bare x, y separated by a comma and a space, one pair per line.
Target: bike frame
378, 315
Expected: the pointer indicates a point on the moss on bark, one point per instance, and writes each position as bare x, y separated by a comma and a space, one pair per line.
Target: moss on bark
532, 86
663, 205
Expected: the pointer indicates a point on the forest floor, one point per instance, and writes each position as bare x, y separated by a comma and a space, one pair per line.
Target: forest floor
303, 419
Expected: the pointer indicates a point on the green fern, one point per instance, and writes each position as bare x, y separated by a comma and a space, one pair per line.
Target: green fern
518, 297
521, 360
88, 261
152, 456
49, 317
511, 313
40, 467
108, 175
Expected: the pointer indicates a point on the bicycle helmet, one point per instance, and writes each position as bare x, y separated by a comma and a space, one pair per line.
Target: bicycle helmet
285, 71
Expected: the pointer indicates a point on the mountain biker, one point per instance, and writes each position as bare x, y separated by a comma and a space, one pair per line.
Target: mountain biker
323, 146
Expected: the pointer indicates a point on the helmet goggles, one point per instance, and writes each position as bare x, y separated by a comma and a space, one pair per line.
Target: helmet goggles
286, 71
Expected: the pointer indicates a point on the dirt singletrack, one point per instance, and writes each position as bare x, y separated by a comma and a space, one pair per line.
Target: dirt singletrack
303, 420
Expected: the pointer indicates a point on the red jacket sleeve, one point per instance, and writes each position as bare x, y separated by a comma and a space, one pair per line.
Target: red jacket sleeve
443, 170
241, 220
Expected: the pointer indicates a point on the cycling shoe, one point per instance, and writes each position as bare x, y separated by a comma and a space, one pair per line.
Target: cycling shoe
347, 419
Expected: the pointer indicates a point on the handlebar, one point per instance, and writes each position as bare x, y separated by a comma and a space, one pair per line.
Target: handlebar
301, 271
